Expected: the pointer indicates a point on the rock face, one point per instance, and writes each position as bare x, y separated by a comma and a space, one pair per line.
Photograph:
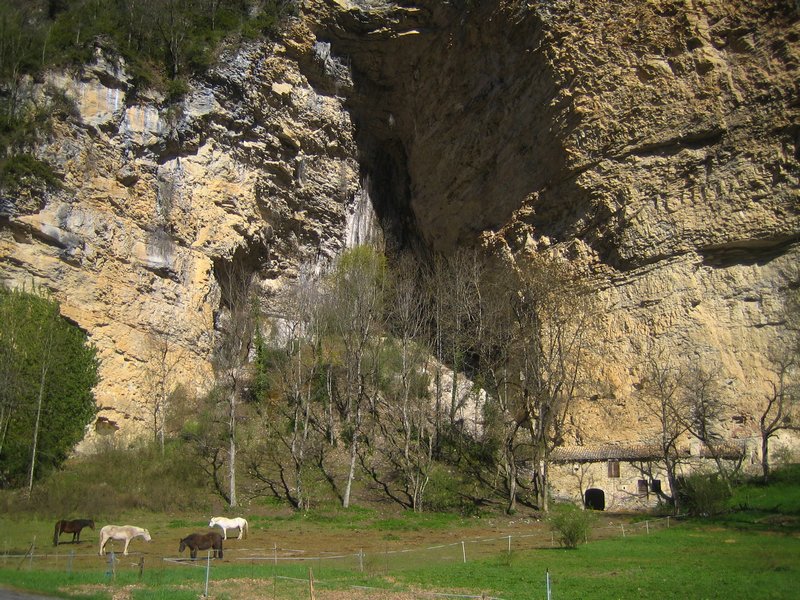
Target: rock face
255, 166
655, 144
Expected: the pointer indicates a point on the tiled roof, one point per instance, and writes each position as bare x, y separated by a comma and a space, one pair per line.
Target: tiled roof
597, 453
724, 450
636, 452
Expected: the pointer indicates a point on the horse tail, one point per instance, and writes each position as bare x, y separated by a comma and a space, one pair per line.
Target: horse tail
246, 528
56, 533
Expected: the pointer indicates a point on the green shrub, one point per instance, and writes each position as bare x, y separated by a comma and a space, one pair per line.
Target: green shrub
20, 169
176, 89
703, 495
572, 524
443, 492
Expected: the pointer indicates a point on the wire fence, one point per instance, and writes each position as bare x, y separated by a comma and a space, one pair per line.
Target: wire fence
282, 569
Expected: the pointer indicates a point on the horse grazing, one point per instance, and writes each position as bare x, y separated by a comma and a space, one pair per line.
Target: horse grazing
74, 527
202, 541
225, 524
120, 533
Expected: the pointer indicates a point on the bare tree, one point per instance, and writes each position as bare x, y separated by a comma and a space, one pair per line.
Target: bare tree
534, 360
506, 416
290, 401
163, 357
454, 287
234, 341
662, 399
780, 409
405, 418
172, 23
706, 408
354, 311
553, 316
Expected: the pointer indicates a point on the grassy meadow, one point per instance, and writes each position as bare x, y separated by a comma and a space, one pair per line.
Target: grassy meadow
750, 551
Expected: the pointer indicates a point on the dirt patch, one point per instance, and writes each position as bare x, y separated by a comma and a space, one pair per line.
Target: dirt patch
116, 593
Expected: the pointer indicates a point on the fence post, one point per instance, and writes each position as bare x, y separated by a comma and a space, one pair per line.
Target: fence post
463, 550
361, 560
30, 551
311, 583
69, 561
647, 527
274, 569
208, 569
623, 530
667, 521
547, 579
509, 544
141, 566
112, 565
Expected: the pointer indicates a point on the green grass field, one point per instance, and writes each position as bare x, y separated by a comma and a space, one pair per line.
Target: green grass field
753, 551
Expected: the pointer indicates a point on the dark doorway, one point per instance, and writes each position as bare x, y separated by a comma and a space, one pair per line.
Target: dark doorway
595, 499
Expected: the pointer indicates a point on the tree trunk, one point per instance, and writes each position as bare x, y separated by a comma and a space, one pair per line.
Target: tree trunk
543, 503
765, 457
36, 430
42, 381
673, 487
512, 486
232, 449
351, 473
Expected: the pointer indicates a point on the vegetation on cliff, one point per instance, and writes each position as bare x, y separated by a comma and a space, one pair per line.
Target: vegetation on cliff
162, 43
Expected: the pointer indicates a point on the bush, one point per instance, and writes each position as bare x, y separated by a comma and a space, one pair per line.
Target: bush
20, 169
572, 524
118, 479
703, 495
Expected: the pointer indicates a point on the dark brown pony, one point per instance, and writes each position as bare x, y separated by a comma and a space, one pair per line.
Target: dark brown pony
202, 541
74, 527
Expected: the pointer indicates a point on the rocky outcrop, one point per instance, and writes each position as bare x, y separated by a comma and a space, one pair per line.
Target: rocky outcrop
255, 165
655, 144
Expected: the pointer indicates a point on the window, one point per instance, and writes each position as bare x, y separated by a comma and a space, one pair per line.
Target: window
655, 485
613, 468
642, 486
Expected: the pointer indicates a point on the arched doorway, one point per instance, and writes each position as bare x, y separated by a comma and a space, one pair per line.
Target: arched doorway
595, 499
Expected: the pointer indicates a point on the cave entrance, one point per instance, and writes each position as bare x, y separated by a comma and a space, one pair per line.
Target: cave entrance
595, 499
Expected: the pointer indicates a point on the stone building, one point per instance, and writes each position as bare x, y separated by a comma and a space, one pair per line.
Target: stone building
624, 477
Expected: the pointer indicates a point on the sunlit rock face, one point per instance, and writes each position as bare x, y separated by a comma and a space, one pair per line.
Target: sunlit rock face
654, 144
255, 166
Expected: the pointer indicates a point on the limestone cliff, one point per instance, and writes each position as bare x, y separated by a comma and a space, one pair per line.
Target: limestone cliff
654, 143
255, 166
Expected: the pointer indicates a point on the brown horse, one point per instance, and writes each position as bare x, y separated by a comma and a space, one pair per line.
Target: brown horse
202, 541
74, 527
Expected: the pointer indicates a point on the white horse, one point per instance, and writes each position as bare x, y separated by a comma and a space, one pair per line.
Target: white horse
224, 523
121, 532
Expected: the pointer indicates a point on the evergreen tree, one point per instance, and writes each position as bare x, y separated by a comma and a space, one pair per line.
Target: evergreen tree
49, 371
